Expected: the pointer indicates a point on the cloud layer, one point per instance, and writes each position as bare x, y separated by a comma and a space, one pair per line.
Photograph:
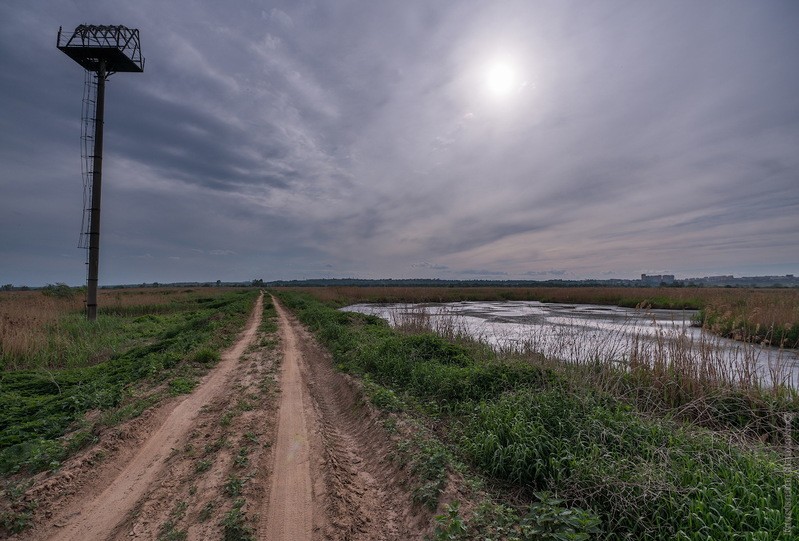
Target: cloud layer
316, 139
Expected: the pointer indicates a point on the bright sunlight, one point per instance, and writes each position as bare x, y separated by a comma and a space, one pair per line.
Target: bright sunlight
501, 79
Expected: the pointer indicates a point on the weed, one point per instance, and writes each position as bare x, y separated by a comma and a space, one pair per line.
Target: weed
242, 459
233, 485
15, 521
170, 532
215, 446
181, 385
15, 513
244, 405
207, 511
203, 466
206, 356
548, 520
234, 524
450, 526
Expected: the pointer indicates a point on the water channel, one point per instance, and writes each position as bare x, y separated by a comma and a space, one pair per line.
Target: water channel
588, 333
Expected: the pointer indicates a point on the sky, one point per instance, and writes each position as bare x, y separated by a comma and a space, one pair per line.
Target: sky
408, 139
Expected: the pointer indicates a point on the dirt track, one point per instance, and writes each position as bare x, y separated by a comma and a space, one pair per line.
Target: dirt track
289, 513
274, 442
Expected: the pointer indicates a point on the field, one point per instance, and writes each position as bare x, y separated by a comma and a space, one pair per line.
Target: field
57, 366
416, 434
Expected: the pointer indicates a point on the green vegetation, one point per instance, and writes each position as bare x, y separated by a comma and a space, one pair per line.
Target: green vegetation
235, 527
583, 460
175, 341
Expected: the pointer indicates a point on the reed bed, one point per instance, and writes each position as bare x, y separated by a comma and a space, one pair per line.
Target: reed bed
696, 377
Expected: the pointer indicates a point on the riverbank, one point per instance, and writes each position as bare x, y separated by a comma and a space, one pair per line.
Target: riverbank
547, 440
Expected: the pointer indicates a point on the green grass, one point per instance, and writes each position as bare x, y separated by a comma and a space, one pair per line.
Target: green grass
567, 448
38, 407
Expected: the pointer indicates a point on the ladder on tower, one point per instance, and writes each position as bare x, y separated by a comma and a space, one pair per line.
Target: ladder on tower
87, 122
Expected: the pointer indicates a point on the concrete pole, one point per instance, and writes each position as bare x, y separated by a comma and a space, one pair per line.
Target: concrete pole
97, 177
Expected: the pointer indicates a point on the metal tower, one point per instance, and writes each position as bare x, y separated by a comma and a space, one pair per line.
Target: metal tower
101, 51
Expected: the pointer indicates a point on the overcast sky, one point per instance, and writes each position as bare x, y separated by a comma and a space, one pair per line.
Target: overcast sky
450, 139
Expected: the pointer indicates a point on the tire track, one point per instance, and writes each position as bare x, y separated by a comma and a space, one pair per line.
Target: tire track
290, 511
97, 518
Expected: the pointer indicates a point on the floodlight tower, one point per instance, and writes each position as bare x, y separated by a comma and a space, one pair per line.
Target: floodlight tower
102, 51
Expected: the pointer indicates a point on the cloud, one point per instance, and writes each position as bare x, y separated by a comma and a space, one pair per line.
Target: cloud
475, 272
359, 135
552, 272
428, 265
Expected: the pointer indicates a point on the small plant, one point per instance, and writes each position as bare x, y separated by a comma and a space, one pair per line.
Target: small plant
170, 532
15, 521
203, 466
242, 459
234, 524
244, 405
384, 398
207, 511
548, 520
206, 356
234, 486
181, 385
215, 446
450, 525
227, 418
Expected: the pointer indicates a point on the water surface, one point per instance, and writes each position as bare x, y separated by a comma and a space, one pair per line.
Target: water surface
586, 332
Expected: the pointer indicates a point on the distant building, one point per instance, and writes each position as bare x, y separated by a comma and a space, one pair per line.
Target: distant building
657, 279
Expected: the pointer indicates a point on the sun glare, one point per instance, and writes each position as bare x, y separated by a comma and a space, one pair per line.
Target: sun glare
501, 79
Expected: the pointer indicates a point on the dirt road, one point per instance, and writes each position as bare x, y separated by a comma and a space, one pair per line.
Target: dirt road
289, 512
273, 444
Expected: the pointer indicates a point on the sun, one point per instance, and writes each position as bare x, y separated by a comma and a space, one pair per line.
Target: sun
501, 79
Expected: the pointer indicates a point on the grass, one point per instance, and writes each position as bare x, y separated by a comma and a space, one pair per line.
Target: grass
569, 447
42, 331
174, 340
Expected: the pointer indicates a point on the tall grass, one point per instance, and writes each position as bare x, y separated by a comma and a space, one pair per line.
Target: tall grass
694, 377
41, 331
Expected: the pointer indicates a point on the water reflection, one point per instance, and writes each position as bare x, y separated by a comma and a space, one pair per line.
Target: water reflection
587, 333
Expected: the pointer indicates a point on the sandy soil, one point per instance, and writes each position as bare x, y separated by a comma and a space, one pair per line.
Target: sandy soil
274, 443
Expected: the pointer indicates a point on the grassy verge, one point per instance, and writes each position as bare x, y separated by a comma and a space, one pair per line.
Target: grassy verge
579, 460
172, 342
